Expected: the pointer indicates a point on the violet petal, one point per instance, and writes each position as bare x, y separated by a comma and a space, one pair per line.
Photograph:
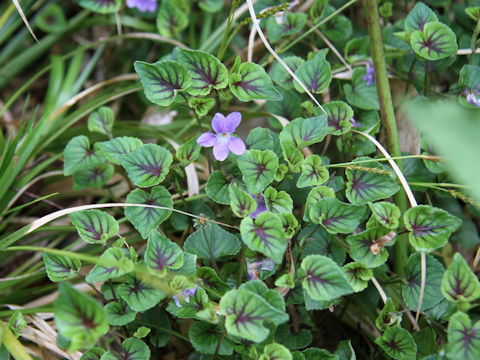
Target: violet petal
219, 124
207, 139
236, 145
232, 121
220, 151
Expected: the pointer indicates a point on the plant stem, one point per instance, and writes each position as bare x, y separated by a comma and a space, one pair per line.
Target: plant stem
387, 114
473, 41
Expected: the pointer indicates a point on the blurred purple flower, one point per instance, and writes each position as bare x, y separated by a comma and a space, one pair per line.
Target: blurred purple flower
369, 78
186, 294
472, 97
224, 140
143, 5
261, 205
354, 123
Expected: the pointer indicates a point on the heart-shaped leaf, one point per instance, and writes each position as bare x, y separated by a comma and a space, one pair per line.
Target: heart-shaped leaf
370, 184
162, 254
304, 132
217, 188
398, 343
318, 354
162, 80
436, 41
145, 219
205, 338
429, 227
60, 268
94, 353
386, 213
315, 74
271, 296
94, 226
101, 121
339, 28
292, 156
290, 24
316, 194
318, 241
259, 139
79, 318
251, 82
101, 6
433, 280
118, 146
357, 275
339, 115
189, 267
359, 93
206, 71
276, 352
132, 349
119, 313
92, 178
387, 317
324, 280
459, 283
120, 265
278, 202
189, 152
336, 216
202, 105
212, 242
258, 169
139, 295
418, 17
78, 155
265, 235
245, 313
363, 246
293, 340
148, 165
463, 338
171, 20
280, 75
473, 12
210, 280
345, 351
241, 202
312, 172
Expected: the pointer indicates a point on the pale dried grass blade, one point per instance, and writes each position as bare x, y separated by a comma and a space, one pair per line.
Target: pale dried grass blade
24, 18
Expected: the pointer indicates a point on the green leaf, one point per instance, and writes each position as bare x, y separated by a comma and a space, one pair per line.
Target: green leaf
218, 188
293, 340
79, 156
387, 317
189, 267
433, 280
162, 80
386, 213
52, 19
60, 268
365, 186
93, 354
275, 352
251, 82
197, 307
336, 216
118, 146
132, 349
210, 280
357, 275
210, 6
16, 323
92, 178
101, 6
205, 338
119, 313
345, 351
171, 20
189, 152
463, 338
435, 42
258, 169
304, 132
280, 75
120, 265
202, 106
141, 332
79, 318
426, 340
360, 94
292, 156
162, 254
429, 227
459, 283
148, 165
312, 172
418, 17
259, 139
338, 116
145, 219
473, 12
290, 24
316, 194
319, 241
139, 295
398, 343
278, 202
367, 248
338, 29
212, 242
315, 74
206, 71
318, 354
245, 312
101, 121
94, 226
265, 235
324, 280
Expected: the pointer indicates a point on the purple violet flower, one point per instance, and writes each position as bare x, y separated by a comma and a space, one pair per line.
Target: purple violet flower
186, 294
353, 122
261, 205
224, 140
143, 5
472, 97
369, 78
